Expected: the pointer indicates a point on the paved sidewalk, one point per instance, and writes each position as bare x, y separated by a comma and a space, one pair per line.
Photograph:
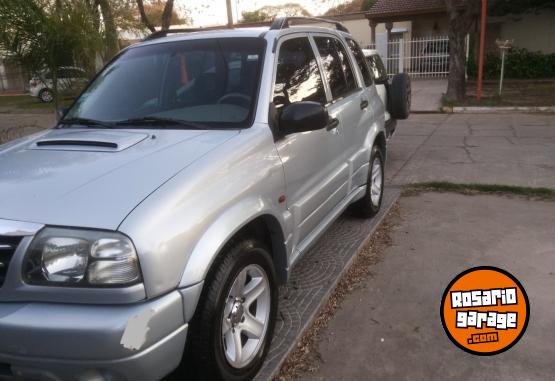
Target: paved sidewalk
391, 330
14, 126
427, 94
509, 149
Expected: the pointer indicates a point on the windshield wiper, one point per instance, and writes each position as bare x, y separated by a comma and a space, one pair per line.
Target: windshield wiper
87, 122
157, 121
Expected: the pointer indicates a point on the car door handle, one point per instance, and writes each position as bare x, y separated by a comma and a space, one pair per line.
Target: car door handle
363, 104
332, 124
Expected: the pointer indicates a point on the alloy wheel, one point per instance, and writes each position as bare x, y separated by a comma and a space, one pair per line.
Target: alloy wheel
376, 181
246, 316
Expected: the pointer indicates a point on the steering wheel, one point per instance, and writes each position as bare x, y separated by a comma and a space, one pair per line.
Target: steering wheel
237, 99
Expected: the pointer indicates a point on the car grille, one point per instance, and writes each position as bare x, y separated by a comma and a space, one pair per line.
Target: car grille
7, 248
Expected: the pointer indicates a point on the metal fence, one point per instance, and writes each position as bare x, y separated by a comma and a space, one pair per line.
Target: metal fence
426, 57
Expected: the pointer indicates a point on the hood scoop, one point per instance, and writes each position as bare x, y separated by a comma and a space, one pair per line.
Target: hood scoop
88, 140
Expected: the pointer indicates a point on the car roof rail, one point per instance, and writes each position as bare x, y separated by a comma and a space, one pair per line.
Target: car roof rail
164, 33
283, 22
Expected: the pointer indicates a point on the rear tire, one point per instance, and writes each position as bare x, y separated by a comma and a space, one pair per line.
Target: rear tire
369, 205
400, 96
224, 317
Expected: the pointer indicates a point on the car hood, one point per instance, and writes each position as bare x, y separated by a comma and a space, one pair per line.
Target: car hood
93, 178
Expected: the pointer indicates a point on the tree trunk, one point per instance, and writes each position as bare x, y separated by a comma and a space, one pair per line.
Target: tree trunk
456, 82
112, 44
167, 15
144, 17
461, 15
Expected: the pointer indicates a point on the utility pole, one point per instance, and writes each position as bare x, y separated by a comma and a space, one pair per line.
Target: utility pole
229, 14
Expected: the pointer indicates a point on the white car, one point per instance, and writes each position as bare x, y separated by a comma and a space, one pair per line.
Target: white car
70, 79
396, 96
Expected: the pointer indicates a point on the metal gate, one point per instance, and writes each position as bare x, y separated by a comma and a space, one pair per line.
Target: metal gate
426, 57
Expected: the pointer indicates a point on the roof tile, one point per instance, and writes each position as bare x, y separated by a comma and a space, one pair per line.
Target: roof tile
383, 7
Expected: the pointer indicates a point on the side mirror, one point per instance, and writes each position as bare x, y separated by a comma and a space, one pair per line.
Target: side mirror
61, 112
302, 116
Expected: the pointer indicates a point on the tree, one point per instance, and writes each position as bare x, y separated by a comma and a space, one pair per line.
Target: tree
352, 6
269, 12
254, 16
159, 14
111, 32
45, 35
462, 15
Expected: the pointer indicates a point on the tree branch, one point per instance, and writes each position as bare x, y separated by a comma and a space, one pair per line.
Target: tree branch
167, 15
144, 17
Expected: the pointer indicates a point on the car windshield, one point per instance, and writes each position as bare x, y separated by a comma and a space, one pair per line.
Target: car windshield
203, 82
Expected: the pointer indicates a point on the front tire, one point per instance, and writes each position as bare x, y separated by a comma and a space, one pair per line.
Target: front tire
234, 323
369, 205
46, 96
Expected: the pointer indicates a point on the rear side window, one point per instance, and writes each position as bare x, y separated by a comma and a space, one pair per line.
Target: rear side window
298, 77
377, 67
359, 57
336, 66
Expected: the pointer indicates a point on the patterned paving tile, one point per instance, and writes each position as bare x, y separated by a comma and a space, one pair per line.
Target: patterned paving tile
315, 277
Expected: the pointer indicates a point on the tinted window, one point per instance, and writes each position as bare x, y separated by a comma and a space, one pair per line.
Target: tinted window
359, 57
298, 77
212, 81
377, 67
336, 66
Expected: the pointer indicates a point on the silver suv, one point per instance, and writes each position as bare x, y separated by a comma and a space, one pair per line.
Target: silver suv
147, 233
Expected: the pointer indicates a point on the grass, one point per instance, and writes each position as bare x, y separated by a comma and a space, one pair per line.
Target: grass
27, 103
471, 189
23, 102
515, 93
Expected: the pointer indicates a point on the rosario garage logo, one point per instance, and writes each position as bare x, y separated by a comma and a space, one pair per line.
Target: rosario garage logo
485, 310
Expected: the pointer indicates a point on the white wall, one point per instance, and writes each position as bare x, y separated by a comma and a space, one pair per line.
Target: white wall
362, 34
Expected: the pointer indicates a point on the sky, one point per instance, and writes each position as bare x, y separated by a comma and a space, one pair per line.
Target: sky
213, 12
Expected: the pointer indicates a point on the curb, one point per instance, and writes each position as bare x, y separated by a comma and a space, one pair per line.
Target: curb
493, 110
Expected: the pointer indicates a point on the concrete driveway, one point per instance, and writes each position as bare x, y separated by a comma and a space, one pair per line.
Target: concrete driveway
510, 149
390, 328
427, 94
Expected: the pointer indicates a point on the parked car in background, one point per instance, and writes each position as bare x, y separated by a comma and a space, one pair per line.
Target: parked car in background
396, 96
151, 229
71, 80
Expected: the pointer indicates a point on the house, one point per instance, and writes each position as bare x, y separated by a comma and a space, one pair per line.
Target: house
533, 31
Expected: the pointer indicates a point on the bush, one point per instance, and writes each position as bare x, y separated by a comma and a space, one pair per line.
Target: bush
519, 64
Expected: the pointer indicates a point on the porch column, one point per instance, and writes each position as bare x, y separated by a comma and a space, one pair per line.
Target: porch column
388, 27
373, 25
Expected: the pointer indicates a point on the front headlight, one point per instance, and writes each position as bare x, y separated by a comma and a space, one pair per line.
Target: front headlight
82, 258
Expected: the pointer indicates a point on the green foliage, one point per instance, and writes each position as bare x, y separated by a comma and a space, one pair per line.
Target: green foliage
268, 12
367, 4
519, 64
472, 189
44, 34
352, 6
254, 16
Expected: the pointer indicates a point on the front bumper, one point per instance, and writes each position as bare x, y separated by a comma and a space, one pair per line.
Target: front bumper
48, 341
